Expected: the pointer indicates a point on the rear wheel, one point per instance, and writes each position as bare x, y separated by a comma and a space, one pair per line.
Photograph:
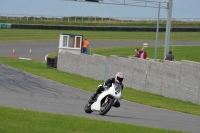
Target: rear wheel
88, 108
105, 107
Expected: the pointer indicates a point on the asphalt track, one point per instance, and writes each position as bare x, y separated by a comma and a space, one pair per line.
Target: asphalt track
41, 49
23, 90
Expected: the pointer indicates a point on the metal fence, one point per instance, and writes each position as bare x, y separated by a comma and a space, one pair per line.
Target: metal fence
92, 19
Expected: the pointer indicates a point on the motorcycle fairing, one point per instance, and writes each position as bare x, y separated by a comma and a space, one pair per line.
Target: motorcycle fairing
111, 91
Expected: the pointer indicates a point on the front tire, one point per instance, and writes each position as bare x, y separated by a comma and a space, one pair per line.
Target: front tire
88, 108
107, 107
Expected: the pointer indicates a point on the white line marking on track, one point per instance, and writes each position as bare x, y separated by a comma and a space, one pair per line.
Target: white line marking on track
24, 58
45, 58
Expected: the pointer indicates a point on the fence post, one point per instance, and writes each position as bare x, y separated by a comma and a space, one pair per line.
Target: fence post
90, 49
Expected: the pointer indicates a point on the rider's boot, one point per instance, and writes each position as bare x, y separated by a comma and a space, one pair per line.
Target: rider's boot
91, 100
99, 89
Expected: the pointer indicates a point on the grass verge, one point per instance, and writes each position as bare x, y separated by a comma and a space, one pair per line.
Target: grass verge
88, 84
24, 35
26, 121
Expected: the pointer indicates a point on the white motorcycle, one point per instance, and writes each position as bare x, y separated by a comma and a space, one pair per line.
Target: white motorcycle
105, 100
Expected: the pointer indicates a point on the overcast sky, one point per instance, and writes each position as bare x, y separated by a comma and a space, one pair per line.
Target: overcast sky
181, 9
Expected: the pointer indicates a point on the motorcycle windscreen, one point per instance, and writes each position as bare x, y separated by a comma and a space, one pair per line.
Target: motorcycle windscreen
118, 87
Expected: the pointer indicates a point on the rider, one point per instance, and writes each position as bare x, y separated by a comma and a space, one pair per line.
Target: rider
108, 83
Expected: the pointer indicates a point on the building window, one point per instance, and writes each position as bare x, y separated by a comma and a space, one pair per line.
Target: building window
71, 42
65, 38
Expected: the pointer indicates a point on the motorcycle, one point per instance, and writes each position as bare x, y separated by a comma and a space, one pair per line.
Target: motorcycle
105, 100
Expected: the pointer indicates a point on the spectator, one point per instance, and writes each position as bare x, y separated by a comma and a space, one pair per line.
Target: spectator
85, 46
137, 54
170, 56
143, 53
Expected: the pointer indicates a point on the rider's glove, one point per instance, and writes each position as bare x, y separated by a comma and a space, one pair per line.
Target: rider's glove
105, 86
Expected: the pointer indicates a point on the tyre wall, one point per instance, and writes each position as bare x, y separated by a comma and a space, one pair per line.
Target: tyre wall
101, 28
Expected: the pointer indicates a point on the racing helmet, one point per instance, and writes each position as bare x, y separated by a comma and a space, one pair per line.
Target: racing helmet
119, 77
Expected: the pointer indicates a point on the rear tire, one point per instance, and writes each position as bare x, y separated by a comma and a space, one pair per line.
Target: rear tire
88, 109
107, 108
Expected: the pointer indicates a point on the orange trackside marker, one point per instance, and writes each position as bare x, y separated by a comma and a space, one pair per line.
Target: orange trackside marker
30, 52
13, 51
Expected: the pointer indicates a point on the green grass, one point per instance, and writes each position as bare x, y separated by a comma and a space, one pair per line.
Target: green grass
180, 52
88, 84
52, 55
22, 35
26, 121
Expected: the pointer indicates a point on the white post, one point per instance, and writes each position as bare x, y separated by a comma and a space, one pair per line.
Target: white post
168, 27
157, 31
90, 49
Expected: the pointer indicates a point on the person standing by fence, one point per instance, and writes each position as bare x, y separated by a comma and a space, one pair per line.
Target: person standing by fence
143, 53
137, 54
85, 46
170, 56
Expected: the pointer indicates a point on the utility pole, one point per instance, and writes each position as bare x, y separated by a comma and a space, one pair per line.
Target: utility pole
168, 27
157, 31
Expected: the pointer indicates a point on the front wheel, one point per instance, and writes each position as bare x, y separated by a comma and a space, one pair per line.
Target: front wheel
105, 107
